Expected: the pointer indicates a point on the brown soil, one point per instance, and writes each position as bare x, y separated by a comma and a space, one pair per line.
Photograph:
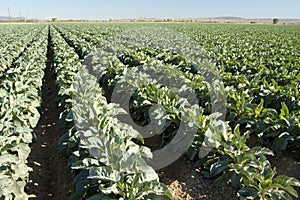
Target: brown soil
187, 182
50, 178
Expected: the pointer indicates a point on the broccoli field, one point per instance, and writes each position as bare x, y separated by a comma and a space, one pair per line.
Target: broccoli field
62, 137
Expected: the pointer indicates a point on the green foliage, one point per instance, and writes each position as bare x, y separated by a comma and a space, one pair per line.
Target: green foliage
110, 164
248, 168
19, 100
260, 69
14, 40
118, 164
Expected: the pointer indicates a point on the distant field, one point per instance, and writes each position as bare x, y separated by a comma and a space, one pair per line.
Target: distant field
39, 63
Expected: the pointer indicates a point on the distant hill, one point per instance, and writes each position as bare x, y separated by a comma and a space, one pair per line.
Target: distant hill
4, 18
222, 19
249, 20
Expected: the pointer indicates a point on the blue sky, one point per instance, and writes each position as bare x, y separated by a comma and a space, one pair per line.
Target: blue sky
124, 9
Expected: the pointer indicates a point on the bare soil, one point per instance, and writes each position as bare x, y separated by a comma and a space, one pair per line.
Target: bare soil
187, 182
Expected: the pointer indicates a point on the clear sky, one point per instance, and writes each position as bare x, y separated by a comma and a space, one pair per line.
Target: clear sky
127, 9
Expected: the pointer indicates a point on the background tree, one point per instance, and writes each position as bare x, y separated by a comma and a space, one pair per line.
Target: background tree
275, 21
54, 19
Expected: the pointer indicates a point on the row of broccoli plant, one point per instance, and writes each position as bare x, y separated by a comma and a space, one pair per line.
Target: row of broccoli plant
93, 34
115, 163
85, 39
231, 160
106, 162
80, 45
250, 87
110, 76
13, 43
92, 39
278, 126
19, 99
261, 67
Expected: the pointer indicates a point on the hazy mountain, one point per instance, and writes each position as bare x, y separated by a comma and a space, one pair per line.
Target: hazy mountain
241, 19
4, 18
222, 19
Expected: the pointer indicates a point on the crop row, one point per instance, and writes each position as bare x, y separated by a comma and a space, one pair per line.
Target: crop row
102, 162
231, 158
110, 159
13, 43
234, 160
260, 70
19, 100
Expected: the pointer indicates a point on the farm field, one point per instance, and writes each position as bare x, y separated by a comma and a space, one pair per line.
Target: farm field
61, 136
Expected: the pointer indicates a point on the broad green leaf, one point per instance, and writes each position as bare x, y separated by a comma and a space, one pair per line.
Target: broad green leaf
105, 173
218, 167
281, 142
248, 192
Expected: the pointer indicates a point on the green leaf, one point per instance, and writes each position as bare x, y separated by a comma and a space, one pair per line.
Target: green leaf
223, 179
259, 108
281, 182
34, 119
8, 158
261, 150
86, 163
218, 166
270, 112
248, 192
284, 112
290, 180
249, 107
281, 142
5, 182
280, 195
23, 151
159, 191
104, 173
